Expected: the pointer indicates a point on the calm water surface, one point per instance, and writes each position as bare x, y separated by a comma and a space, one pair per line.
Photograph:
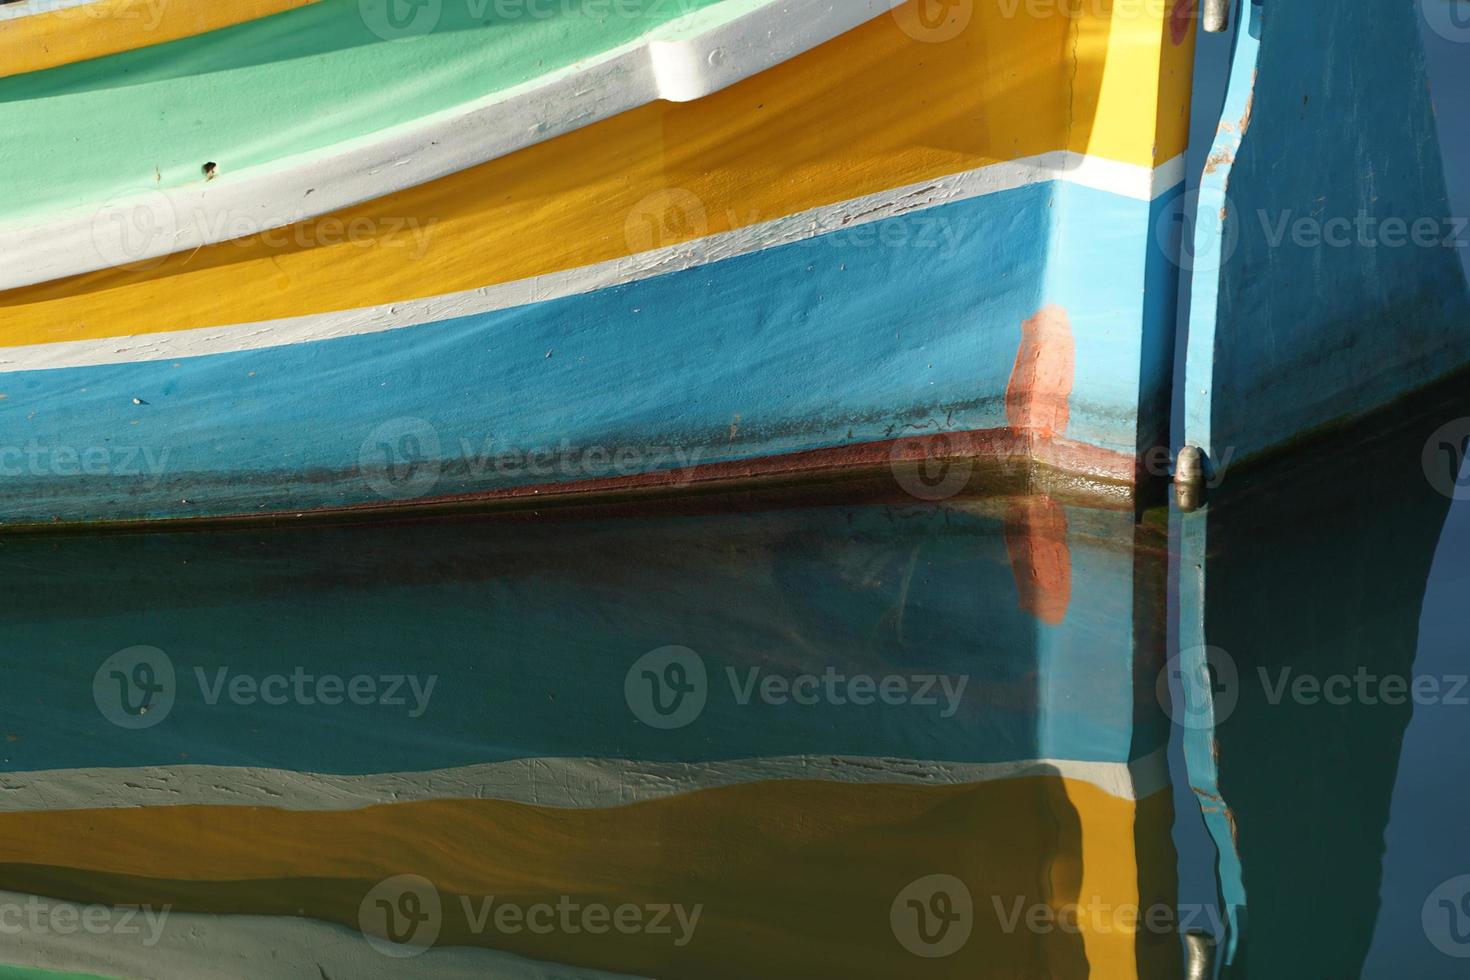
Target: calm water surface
860, 736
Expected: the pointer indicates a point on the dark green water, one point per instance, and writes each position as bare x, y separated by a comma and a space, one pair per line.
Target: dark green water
1337, 587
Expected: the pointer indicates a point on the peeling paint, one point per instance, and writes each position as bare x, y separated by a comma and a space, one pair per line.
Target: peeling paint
1223, 157
1250, 103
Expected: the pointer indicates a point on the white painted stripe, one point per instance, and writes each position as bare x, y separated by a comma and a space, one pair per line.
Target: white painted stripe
1167, 176
1106, 175
159, 942
685, 59
567, 783
30, 8
1127, 179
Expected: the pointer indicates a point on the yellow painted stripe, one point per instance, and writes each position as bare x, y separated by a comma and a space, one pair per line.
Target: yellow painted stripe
103, 27
875, 109
795, 878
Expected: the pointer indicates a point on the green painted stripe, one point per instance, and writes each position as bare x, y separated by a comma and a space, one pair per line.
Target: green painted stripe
296, 82
30, 973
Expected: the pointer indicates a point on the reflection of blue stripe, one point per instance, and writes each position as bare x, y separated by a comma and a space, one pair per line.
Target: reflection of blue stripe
817, 344
531, 632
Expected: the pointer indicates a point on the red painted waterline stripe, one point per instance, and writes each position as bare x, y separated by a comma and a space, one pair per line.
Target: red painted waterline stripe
984, 445
1005, 443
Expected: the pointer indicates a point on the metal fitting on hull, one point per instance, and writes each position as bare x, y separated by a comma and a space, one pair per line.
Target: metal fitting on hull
1217, 16
1199, 956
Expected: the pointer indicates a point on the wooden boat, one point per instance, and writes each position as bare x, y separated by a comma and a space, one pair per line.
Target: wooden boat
296, 256
293, 256
1327, 277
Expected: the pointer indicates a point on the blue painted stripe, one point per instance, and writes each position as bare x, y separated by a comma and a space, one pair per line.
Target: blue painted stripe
1110, 271
1320, 302
907, 325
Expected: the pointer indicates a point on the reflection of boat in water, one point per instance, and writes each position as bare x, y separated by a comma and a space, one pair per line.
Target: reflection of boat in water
1037, 781
793, 827
1308, 587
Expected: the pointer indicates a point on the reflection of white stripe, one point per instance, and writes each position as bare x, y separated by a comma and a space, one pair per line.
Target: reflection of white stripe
1120, 178
584, 783
685, 59
159, 942
29, 8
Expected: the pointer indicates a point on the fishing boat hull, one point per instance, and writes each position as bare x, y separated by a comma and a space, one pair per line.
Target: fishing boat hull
861, 237
1328, 266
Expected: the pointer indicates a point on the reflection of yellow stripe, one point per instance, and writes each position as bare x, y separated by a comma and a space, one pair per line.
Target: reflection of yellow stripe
873, 110
795, 877
105, 27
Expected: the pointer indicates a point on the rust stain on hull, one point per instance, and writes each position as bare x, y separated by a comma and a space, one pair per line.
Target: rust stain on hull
1039, 393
